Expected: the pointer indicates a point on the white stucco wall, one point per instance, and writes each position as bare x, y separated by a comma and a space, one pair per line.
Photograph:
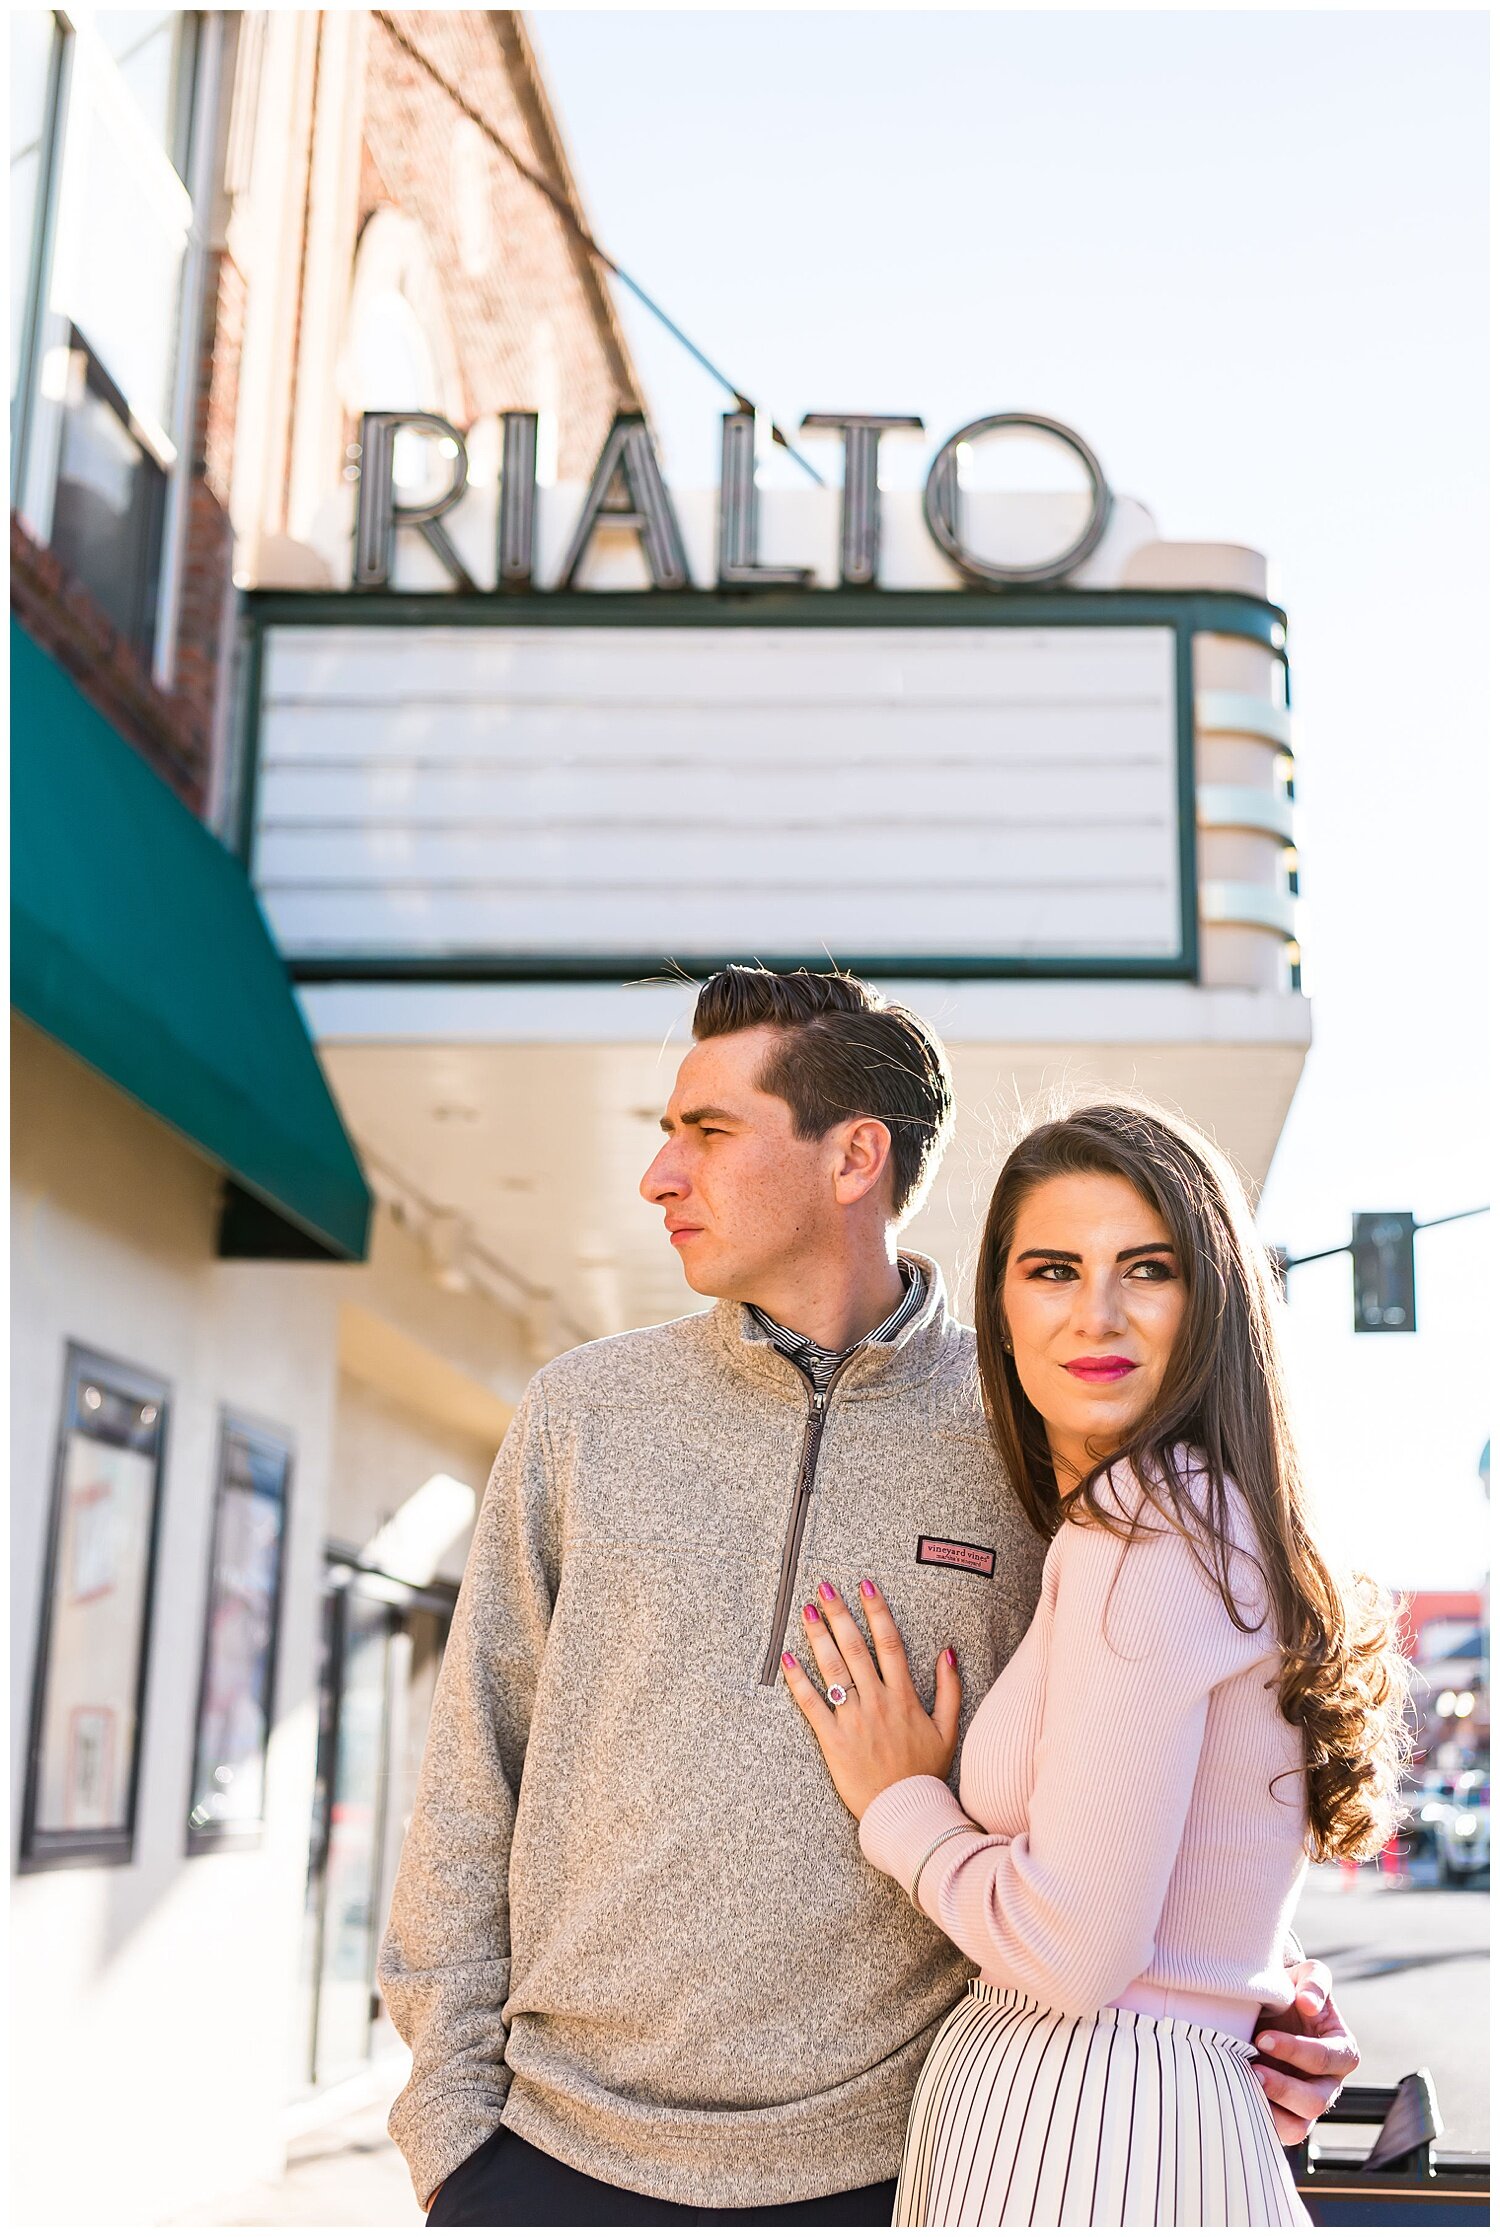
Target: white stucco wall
154, 2000
159, 2002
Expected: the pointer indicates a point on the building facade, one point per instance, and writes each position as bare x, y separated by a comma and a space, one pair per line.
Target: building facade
361, 649
254, 1402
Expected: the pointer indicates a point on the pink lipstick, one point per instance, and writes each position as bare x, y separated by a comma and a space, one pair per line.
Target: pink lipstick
1108, 1370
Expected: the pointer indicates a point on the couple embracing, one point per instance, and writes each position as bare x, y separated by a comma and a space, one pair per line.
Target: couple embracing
693, 1921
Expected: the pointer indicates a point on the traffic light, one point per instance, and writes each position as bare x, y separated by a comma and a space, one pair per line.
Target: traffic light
1385, 1274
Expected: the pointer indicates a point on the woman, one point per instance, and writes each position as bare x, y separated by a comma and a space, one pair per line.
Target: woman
1197, 1707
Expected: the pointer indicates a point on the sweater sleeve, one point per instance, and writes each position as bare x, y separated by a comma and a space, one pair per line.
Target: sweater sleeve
1067, 1911
444, 1966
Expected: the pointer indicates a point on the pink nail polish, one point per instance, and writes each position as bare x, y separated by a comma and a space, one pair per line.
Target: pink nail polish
827, 1591
809, 1613
867, 1588
950, 1658
789, 1662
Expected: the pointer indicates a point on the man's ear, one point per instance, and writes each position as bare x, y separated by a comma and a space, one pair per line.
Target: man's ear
864, 1159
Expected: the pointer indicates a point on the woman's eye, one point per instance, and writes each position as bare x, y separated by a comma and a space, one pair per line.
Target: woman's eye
1153, 1269
1059, 1268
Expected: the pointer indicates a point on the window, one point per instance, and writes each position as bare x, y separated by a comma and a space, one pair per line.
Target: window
154, 49
101, 186
109, 504
91, 1659
227, 1805
35, 72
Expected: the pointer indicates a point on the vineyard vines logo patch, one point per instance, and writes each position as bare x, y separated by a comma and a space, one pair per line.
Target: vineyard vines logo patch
952, 1553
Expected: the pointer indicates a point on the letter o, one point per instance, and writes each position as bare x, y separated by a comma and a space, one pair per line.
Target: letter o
940, 503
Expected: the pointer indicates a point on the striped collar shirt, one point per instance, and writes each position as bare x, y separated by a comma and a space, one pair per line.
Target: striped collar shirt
817, 1361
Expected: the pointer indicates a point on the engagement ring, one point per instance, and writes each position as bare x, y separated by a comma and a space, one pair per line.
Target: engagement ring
837, 1696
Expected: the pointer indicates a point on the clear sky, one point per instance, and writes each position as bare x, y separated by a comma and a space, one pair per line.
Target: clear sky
1246, 256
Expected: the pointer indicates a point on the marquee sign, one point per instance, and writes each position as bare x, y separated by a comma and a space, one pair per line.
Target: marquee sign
584, 784
628, 491
528, 779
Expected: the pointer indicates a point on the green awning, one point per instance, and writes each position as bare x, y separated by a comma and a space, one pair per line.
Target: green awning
137, 942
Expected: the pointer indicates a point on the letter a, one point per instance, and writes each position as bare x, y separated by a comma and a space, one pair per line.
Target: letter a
627, 491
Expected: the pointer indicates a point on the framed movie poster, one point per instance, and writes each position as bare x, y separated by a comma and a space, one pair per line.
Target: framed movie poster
96, 1614
227, 1806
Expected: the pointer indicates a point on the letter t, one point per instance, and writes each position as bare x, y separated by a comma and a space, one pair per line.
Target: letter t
859, 520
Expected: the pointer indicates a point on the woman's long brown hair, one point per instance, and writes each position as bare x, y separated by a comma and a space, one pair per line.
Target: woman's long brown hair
1219, 1418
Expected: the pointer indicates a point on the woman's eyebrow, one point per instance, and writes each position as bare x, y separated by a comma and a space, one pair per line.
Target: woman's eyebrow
1075, 1258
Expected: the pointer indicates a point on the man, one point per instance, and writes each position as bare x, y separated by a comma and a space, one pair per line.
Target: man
644, 1971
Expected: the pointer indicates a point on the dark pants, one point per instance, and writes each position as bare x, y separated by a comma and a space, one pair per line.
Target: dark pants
509, 2184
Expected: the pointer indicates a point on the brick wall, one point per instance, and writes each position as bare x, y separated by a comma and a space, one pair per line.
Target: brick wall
222, 343
66, 623
536, 270
205, 624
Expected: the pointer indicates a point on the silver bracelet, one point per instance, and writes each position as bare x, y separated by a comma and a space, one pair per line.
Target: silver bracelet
968, 1826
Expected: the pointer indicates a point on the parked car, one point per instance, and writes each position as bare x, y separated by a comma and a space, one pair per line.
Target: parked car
1463, 1830
1425, 1807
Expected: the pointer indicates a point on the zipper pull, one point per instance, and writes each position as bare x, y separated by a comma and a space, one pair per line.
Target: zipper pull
819, 1400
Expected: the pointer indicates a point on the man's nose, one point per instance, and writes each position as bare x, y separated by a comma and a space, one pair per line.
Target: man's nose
662, 1179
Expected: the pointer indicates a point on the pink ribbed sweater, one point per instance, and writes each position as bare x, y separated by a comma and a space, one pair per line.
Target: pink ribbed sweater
1134, 1851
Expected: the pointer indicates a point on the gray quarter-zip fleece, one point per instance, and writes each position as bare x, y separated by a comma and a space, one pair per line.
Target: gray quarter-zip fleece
632, 1919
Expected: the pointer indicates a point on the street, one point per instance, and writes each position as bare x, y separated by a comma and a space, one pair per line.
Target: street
1412, 1971
1411, 1967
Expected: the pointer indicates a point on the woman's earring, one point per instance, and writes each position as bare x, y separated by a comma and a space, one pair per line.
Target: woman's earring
1006, 1344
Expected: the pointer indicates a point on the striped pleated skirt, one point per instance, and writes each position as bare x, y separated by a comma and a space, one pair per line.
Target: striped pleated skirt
1026, 2118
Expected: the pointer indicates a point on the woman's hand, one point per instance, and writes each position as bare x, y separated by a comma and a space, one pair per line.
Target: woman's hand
1309, 2053
880, 1733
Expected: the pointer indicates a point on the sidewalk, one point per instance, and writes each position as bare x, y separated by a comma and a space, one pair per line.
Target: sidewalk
345, 2175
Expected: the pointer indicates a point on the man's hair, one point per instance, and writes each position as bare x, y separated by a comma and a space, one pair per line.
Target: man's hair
844, 1053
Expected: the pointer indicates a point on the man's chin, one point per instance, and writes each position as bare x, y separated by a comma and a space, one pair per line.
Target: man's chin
702, 1274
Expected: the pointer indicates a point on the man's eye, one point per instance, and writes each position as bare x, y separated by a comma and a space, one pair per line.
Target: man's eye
711, 1130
